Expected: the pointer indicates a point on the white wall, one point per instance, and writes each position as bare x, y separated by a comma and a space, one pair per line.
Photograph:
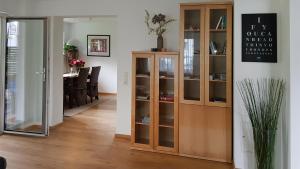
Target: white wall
295, 83
56, 70
77, 33
243, 146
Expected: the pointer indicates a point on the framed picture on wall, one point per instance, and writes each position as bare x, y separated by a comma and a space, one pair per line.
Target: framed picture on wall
98, 45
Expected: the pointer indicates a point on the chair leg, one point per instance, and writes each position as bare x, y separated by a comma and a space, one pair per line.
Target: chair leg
97, 97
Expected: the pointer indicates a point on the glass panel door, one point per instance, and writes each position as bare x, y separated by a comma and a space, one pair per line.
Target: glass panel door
166, 111
25, 77
143, 107
192, 68
217, 60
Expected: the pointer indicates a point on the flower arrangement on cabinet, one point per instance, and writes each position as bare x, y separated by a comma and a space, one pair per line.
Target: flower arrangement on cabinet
158, 26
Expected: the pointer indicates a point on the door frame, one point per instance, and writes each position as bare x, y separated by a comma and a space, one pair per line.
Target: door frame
3, 16
46, 83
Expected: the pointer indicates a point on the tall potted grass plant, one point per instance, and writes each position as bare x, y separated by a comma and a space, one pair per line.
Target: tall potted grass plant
263, 101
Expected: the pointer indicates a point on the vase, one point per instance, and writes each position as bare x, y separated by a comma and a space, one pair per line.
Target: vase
73, 69
160, 42
264, 144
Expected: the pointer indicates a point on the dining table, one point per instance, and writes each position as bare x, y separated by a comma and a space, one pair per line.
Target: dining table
70, 75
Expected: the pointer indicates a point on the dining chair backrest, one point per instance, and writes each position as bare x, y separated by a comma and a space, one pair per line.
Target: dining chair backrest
95, 74
82, 78
2, 163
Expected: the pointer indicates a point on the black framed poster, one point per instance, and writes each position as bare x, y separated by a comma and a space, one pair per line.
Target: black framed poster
259, 37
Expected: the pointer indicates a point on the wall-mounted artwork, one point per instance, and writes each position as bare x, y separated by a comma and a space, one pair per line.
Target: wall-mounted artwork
259, 38
98, 45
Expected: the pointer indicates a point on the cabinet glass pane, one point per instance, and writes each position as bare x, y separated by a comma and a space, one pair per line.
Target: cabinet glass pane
142, 109
191, 55
217, 59
166, 101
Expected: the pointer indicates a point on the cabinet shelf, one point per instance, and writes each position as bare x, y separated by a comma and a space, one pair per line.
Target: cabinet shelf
142, 100
218, 30
143, 76
191, 79
217, 55
167, 102
141, 123
218, 81
191, 30
166, 124
166, 78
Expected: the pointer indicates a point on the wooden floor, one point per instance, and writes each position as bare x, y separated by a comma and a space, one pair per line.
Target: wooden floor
86, 141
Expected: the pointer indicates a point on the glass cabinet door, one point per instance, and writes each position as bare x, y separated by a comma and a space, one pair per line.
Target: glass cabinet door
218, 67
192, 60
142, 80
166, 101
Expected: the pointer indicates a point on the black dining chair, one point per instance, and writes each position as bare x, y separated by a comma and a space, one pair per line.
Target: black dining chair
68, 88
92, 85
2, 163
79, 91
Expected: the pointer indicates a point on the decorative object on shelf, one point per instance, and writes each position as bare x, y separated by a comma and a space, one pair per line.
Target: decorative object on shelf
98, 45
70, 52
146, 120
154, 50
221, 23
259, 38
263, 99
75, 65
159, 24
213, 48
146, 97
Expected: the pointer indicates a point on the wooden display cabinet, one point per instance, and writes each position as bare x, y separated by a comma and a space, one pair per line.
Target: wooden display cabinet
155, 101
205, 113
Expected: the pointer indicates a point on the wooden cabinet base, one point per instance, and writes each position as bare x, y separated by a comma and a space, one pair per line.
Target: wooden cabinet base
205, 132
178, 154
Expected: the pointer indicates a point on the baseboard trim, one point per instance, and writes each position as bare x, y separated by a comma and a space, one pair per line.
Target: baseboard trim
123, 136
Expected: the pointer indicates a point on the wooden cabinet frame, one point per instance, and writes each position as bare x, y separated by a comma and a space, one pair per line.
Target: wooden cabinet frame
154, 101
228, 102
202, 54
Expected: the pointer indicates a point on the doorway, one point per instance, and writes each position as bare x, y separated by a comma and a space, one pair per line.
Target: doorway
76, 35
25, 77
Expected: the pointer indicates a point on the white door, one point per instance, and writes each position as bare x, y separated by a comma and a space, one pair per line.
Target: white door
25, 83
